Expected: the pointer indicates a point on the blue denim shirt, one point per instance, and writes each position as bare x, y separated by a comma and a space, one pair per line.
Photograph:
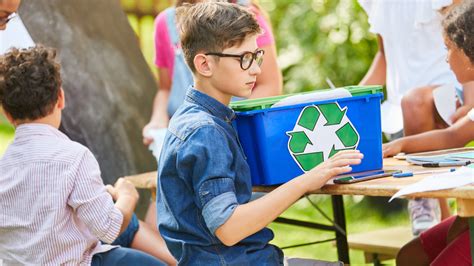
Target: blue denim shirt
202, 177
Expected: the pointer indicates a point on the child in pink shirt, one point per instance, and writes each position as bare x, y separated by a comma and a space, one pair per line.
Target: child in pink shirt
172, 85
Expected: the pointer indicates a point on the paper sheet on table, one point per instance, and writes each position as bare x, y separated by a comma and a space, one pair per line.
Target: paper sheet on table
313, 97
461, 177
158, 136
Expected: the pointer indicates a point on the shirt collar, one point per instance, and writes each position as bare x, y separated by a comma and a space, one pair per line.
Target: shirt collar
212, 105
28, 129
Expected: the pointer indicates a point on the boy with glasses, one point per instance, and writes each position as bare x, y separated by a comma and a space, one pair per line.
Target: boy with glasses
204, 183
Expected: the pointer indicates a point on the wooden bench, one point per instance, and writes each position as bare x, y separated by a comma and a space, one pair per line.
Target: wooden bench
380, 244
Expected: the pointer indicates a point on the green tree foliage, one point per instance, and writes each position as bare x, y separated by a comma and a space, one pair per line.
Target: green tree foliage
319, 39
316, 39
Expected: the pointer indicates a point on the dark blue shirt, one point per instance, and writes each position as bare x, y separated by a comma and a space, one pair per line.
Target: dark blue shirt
202, 177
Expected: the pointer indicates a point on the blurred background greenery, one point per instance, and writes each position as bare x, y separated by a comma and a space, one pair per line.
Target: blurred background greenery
315, 39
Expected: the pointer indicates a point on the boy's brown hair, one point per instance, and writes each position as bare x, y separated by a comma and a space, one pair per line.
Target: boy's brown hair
213, 27
30, 82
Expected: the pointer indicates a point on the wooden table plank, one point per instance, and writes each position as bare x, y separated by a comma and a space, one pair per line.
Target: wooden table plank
386, 186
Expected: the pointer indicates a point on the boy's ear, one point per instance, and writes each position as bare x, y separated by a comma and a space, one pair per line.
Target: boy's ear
203, 65
61, 100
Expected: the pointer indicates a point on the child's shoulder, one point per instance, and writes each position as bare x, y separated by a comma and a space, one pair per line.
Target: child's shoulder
70, 150
162, 17
191, 121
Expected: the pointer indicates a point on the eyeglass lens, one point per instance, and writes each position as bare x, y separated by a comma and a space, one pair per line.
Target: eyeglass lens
247, 59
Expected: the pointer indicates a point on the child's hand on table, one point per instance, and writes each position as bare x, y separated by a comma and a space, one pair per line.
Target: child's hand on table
336, 165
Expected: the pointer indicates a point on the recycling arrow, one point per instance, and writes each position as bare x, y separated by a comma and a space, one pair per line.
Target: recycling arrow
298, 141
320, 132
310, 160
333, 113
348, 135
309, 117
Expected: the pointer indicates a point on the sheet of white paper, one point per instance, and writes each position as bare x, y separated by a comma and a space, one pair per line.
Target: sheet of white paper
313, 97
461, 177
15, 35
445, 101
158, 136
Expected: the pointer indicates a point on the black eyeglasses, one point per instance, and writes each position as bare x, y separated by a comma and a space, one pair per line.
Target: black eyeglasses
4, 21
246, 59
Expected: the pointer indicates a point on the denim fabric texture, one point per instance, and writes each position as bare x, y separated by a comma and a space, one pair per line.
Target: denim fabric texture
126, 237
125, 257
203, 176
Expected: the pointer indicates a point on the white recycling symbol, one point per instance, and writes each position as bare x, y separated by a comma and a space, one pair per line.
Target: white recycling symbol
320, 132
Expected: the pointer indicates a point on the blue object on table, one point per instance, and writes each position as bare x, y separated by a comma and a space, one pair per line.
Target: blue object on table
264, 136
408, 174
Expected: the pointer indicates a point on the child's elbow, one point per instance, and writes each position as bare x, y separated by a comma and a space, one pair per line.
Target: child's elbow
228, 241
226, 238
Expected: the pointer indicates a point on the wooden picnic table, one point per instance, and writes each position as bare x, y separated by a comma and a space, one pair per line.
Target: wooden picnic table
387, 186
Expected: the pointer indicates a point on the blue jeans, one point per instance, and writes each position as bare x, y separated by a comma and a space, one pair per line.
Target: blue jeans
126, 237
125, 257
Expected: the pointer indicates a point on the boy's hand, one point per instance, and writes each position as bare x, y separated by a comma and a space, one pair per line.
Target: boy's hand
147, 140
124, 188
392, 148
336, 165
112, 191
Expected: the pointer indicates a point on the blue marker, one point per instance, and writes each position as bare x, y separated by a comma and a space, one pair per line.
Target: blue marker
407, 174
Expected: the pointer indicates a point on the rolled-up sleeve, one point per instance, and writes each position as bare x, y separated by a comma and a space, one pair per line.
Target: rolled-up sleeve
205, 160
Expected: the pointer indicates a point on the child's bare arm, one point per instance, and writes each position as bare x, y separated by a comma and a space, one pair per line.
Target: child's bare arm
455, 136
159, 116
126, 197
376, 75
249, 218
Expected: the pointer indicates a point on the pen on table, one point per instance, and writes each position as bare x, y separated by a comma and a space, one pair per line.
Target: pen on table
446, 164
329, 82
407, 174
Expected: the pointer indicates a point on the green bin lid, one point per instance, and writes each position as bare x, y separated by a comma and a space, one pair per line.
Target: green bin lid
267, 102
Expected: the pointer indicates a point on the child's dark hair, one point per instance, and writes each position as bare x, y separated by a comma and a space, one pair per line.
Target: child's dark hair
459, 27
30, 82
213, 26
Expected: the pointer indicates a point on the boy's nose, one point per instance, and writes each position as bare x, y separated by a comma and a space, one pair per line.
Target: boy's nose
255, 69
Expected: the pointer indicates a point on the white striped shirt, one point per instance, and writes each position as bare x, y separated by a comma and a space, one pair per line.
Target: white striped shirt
54, 207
